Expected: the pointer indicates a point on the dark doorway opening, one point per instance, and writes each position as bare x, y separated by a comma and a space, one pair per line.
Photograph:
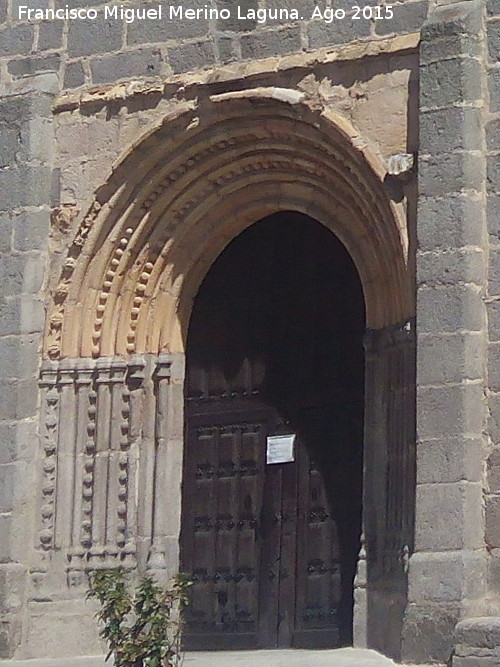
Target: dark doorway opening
275, 347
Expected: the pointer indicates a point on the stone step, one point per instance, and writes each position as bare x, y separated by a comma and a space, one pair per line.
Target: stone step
345, 657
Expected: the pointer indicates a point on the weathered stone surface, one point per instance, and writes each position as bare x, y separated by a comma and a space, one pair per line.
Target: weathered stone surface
494, 320
87, 37
449, 308
74, 75
493, 173
428, 632
27, 66
50, 35
449, 81
458, 18
493, 521
322, 34
190, 57
36, 4
493, 7
475, 661
494, 417
494, 89
12, 587
447, 577
456, 43
20, 187
449, 460
452, 358
448, 222
439, 130
479, 632
451, 267
493, 477
30, 230
16, 40
141, 62
19, 399
458, 525
493, 135
234, 23
494, 42
407, 17
7, 487
151, 31
493, 217
494, 366
224, 48
263, 44
20, 355
494, 571
451, 173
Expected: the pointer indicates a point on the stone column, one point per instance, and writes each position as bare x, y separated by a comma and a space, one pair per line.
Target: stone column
492, 486
447, 570
26, 192
83, 473
132, 427
158, 557
166, 466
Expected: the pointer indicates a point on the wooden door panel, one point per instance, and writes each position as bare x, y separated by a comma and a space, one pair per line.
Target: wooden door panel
270, 543
318, 584
287, 525
224, 482
264, 550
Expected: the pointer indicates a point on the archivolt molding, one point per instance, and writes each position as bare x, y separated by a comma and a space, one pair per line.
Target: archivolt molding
182, 193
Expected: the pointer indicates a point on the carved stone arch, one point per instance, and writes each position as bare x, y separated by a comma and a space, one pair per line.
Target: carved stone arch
170, 207
117, 327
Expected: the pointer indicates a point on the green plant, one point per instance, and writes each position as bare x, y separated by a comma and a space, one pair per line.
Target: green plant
141, 626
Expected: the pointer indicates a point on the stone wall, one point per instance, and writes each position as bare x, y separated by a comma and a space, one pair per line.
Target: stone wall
94, 52
448, 570
492, 484
27, 152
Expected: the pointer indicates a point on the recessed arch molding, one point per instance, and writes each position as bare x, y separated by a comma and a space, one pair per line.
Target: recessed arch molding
182, 193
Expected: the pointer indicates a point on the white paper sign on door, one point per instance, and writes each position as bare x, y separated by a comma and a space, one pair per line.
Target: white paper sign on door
280, 448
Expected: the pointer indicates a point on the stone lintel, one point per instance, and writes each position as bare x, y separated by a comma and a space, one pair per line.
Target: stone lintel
233, 72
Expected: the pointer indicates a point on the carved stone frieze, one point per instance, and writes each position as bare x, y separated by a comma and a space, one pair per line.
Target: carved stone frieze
107, 284
90, 434
49, 441
56, 317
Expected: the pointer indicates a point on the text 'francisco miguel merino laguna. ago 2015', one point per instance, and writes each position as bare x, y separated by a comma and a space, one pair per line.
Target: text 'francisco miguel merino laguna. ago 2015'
173, 13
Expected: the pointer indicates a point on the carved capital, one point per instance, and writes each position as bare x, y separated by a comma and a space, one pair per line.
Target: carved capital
136, 373
48, 374
110, 370
67, 375
84, 371
162, 369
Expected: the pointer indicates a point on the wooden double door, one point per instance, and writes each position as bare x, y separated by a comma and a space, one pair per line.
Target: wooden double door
272, 546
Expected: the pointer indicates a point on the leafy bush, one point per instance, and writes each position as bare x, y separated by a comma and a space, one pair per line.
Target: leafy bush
142, 627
